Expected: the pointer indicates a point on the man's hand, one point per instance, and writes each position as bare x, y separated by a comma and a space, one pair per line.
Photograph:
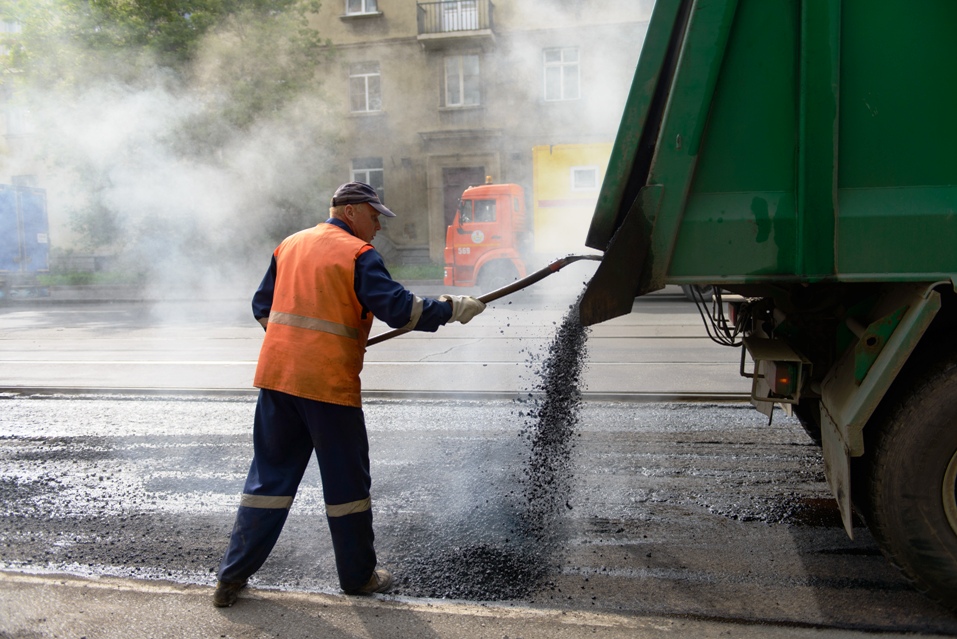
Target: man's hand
464, 307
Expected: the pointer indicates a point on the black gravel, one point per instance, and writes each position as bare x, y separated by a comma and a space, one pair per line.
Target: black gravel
517, 566
677, 509
549, 430
476, 572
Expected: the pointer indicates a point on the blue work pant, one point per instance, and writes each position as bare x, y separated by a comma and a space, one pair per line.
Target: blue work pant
286, 431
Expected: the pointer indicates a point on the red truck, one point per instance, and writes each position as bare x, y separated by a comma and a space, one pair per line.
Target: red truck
489, 238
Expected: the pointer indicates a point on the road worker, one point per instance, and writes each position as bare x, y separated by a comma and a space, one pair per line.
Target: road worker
317, 302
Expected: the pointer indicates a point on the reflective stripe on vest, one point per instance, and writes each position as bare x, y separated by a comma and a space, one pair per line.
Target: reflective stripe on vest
317, 329
417, 307
313, 324
341, 510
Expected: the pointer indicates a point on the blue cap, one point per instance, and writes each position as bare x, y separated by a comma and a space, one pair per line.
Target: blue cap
357, 193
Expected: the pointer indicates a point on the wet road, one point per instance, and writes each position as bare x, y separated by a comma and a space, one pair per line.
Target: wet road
694, 510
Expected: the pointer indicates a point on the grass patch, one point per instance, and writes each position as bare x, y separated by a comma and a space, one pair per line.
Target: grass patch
84, 278
417, 271
401, 272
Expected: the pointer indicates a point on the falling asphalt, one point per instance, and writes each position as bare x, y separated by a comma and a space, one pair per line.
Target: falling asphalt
517, 564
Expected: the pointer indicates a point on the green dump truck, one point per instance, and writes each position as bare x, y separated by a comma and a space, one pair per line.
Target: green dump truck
800, 156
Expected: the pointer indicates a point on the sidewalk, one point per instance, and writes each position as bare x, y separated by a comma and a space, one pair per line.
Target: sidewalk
38, 606
95, 293
99, 293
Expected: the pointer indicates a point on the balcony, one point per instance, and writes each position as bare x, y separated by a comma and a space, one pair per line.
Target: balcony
455, 23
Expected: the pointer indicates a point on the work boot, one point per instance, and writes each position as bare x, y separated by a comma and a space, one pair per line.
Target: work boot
380, 581
227, 593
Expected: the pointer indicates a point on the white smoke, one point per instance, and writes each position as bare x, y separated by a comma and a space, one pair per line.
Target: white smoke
199, 203
196, 203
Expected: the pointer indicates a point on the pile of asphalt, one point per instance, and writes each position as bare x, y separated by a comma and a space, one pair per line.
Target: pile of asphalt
485, 568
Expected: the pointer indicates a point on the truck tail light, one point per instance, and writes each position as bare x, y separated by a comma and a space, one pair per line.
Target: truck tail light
785, 380
779, 373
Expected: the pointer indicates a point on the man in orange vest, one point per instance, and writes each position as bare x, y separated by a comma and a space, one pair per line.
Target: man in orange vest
317, 302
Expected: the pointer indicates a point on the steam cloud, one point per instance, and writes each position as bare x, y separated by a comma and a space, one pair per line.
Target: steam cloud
195, 204
181, 197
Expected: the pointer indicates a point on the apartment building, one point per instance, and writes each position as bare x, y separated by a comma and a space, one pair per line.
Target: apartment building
430, 98
436, 96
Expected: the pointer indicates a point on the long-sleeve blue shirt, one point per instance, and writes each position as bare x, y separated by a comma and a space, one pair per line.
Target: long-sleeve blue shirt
375, 289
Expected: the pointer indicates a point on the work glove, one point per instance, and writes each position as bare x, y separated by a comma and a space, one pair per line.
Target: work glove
464, 307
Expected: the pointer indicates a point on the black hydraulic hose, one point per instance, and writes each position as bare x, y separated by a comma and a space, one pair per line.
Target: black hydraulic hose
499, 293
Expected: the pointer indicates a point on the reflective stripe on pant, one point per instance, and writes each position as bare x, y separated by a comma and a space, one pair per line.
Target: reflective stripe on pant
286, 431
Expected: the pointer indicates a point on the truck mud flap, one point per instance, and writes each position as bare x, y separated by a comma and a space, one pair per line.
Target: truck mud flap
848, 398
619, 278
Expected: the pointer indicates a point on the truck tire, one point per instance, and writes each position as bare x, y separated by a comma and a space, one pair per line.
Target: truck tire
495, 275
910, 475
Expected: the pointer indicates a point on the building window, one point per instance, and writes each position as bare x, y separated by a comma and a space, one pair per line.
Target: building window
369, 170
462, 80
354, 7
561, 74
365, 87
460, 15
584, 178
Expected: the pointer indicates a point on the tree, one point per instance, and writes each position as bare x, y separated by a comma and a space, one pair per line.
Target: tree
267, 51
228, 75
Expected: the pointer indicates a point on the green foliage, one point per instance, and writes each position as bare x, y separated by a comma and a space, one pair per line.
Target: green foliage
228, 69
70, 42
253, 64
73, 278
247, 57
85, 278
410, 272
98, 225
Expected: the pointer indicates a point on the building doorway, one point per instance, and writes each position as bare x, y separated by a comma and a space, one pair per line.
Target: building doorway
454, 182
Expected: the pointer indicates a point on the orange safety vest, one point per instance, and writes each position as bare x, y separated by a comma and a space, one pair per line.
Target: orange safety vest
317, 331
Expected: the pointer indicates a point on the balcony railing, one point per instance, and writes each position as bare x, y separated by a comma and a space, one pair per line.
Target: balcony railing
454, 17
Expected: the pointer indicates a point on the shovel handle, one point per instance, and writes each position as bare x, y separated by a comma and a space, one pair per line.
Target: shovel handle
499, 293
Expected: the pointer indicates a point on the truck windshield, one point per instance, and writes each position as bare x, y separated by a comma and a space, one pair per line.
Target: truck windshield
465, 211
484, 210
476, 211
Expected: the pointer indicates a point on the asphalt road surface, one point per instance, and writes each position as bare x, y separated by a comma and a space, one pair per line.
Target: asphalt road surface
699, 510
213, 345
696, 510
